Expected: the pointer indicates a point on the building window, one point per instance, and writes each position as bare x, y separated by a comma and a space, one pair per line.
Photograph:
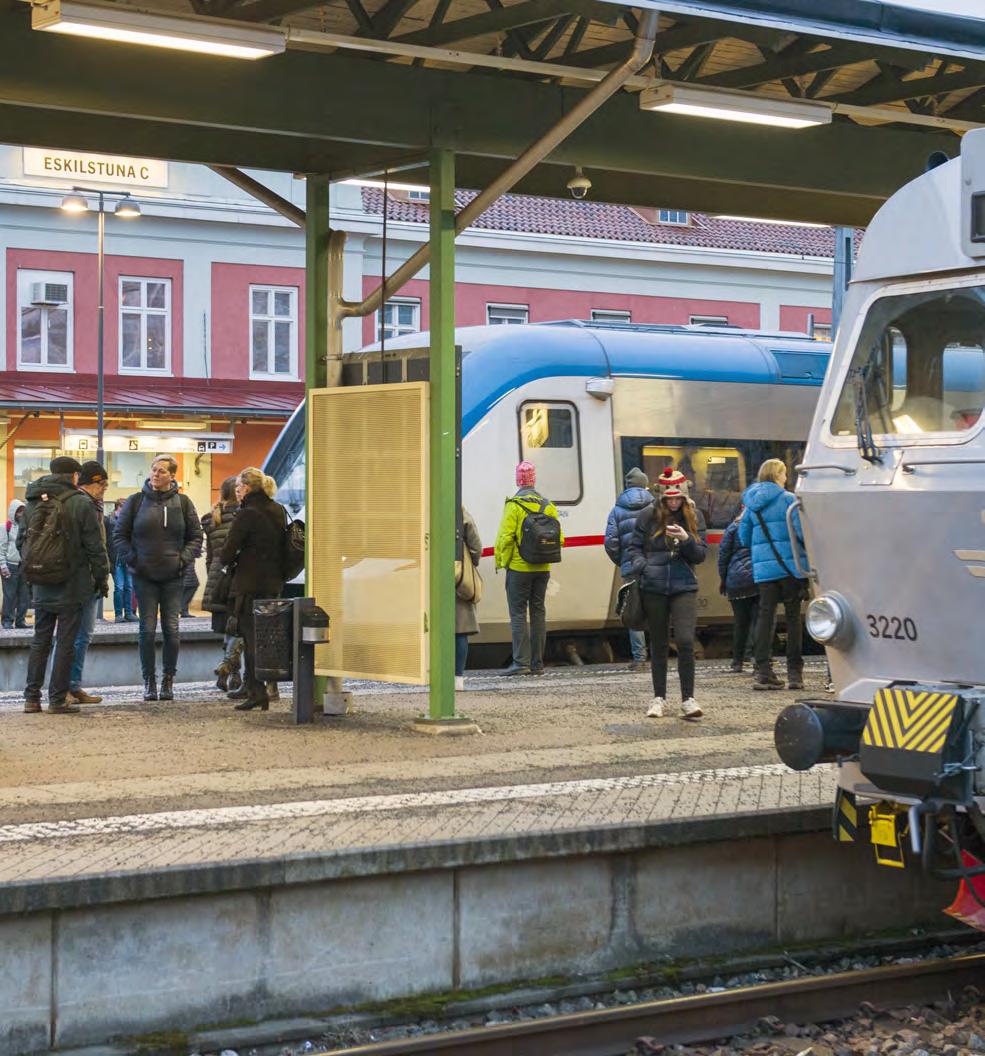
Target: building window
821, 332
506, 314
398, 317
680, 217
145, 326
273, 332
44, 320
708, 320
604, 315
419, 196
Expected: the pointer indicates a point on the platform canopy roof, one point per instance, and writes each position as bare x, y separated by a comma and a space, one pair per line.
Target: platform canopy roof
368, 85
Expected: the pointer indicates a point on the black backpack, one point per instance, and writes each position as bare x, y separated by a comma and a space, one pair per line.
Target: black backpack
540, 535
46, 558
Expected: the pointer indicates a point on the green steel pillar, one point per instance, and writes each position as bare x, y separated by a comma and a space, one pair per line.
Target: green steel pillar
316, 323
443, 435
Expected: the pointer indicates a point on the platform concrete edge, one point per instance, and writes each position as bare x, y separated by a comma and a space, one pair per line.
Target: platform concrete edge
310, 868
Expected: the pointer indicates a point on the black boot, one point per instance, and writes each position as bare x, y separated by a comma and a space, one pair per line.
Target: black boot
167, 687
150, 689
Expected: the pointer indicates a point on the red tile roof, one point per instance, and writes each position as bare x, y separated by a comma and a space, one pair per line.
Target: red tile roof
557, 216
142, 395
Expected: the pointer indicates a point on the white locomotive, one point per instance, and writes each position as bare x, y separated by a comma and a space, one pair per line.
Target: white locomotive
892, 503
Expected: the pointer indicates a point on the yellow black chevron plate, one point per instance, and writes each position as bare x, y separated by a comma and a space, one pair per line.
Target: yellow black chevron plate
908, 719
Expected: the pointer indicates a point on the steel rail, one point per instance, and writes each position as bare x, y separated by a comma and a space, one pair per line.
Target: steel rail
704, 1017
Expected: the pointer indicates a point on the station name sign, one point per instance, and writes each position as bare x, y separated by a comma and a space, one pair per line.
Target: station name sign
101, 168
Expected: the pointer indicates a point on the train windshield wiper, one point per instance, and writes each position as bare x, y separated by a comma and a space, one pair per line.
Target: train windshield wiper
863, 419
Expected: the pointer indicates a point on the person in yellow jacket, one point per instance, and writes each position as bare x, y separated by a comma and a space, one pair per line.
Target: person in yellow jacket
526, 584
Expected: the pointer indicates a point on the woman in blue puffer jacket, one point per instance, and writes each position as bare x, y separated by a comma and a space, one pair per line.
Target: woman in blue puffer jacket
764, 530
738, 585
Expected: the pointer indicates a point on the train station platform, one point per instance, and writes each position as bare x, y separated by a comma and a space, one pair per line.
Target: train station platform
180, 865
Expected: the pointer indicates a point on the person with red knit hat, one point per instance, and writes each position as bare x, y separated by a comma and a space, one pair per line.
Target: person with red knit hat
671, 478
528, 542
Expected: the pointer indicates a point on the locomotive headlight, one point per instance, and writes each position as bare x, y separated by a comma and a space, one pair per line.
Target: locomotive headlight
828, 620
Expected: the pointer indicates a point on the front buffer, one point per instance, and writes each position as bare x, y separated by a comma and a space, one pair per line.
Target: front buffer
908, 772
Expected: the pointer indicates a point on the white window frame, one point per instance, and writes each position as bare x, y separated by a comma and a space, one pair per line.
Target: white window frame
25, 280
162, 372
415, 328
707, 320
611, 315
266, 375
671, 217
525, 308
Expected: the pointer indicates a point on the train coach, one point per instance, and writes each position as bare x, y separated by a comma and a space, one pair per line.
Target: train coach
891, 503
585, 402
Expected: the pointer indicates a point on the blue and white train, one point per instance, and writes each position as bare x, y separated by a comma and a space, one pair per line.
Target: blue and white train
585, 402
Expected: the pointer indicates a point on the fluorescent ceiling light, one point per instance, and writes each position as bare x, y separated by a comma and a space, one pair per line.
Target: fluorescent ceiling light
166, 425
391, 185
765, 220
734, 106
134, 26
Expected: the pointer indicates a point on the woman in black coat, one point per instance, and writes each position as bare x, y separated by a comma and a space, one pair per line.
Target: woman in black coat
667, 542
255, 545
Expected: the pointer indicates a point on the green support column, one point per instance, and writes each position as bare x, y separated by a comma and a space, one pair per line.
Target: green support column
443, 432
316, 321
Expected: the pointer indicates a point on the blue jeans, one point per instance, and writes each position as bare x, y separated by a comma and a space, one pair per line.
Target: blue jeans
461, 653
89, 612
122, 589
152, 596
637, 645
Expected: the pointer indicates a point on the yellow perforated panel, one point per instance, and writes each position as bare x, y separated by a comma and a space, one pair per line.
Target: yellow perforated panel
367, 510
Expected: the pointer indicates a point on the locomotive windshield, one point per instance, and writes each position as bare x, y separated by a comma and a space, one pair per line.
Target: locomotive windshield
918, 367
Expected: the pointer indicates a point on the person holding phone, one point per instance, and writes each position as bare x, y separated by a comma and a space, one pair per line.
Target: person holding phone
667, 542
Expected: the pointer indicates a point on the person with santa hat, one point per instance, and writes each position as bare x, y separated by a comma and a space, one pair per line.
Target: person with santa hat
529, 540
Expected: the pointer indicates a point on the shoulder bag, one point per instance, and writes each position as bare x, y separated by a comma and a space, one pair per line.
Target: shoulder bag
468, 582
629, 606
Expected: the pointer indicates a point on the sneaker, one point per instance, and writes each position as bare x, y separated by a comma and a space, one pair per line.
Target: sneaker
638, 665
79, 696
460, 682
130, 618
656, 709
797, 682
536, 671
690, 709
515, 669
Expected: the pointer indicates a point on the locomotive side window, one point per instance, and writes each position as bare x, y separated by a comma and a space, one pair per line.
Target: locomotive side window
919, 366
549, 439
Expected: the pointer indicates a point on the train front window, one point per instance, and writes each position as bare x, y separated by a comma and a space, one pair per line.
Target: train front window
918, 367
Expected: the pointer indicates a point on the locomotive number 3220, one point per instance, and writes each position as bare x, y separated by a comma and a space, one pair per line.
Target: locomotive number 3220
900, 629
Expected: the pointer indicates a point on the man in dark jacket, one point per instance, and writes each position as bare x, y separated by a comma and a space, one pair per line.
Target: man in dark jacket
618, 532
59, 605
158, 534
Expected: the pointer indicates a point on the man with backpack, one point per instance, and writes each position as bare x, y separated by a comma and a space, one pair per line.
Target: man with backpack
528, 543
63, 556
158, 534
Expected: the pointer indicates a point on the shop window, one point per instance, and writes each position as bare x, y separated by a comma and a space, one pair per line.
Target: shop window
31, 461
507, 314
918, 367
716, 476
145, 326
604, 315
549, 439
44, 320
274, 332
397, 317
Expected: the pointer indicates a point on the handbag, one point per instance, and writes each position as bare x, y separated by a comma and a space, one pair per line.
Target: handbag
629, 606
468, 582
223, 586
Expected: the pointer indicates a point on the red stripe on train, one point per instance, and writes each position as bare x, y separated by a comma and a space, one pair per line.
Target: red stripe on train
598, 540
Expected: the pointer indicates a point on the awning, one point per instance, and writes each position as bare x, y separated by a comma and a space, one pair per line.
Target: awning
146, 395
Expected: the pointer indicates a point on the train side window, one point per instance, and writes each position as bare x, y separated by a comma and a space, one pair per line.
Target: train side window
717, 475
549, 438
919, 365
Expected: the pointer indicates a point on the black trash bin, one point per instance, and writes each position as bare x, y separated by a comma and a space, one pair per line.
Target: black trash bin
274, 620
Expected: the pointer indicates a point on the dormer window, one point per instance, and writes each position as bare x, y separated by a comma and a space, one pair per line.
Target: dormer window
677, 217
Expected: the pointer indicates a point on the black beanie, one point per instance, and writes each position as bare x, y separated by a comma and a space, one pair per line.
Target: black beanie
64, 464
93, 473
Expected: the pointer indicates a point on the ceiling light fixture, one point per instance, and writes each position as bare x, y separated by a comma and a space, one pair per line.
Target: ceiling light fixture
134, 26
734, 106
390, 185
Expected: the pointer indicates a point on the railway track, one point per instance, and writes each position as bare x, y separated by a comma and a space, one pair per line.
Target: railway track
612, 1032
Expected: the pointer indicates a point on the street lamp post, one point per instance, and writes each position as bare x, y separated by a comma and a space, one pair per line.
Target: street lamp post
126, 208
